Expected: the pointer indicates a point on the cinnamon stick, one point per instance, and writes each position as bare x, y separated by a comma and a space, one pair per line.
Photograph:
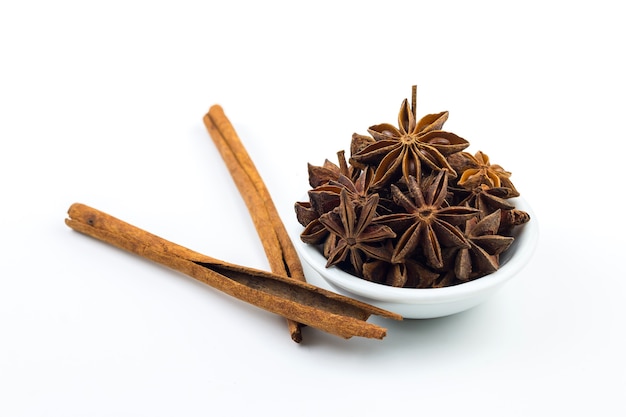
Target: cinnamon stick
295, 300
279, 249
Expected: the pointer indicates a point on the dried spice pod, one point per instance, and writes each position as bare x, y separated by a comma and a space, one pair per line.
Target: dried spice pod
477, 170
433, 195
427, 223
407, 150
484, 198
357, 238
511, 219
485, 246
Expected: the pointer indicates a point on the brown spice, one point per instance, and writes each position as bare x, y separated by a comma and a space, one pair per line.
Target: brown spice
357, 237
407, 150
295, 300
437, 199
279, 249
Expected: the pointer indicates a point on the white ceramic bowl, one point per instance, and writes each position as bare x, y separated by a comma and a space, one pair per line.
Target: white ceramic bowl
418, 303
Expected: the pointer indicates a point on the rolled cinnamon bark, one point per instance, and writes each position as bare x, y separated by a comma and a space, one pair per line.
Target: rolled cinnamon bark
295, 300
279, 249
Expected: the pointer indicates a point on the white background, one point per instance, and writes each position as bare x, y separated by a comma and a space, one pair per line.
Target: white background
102, 103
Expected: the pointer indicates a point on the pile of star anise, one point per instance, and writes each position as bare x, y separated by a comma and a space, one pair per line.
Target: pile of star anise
410, 208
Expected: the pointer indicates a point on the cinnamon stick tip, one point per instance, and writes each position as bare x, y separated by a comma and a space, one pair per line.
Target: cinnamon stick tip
79, 212
213, 109
75, 207
81, 216
296, 336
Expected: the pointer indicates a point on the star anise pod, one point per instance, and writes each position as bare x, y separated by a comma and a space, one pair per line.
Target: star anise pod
486, 199
511, 219
319, 178
412, 208
407, 149
330, 171
314, 233
326, 180
476, 170
428, 222
485, 246
355, 238
325, 198
304, 212
408, 274
319, 175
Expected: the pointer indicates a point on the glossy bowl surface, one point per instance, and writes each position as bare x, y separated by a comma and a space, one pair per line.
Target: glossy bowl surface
417, 303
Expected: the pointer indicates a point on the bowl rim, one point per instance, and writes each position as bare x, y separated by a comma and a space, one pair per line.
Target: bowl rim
523, 248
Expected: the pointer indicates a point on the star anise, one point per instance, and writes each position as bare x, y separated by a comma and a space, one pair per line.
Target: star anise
330, 171
408, 274
314, 232
407, 149
489, 199
476, 170
511, 219
325, 198
326, 182
306, 212
485, 246
354, 237
486, 199
428, 222
411, 208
